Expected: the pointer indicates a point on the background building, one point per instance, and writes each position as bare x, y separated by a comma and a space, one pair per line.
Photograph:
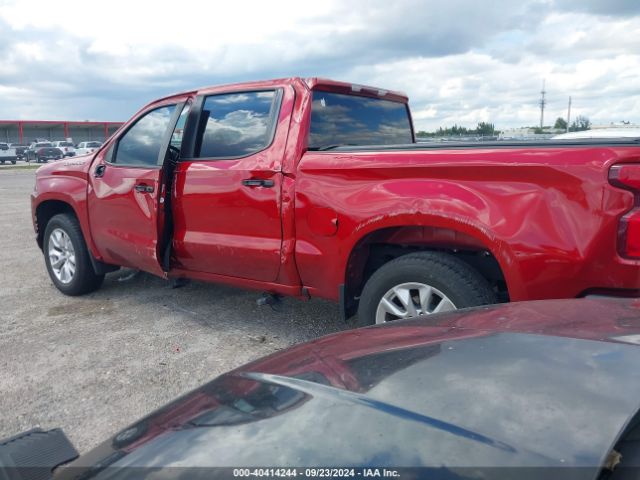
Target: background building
25, 131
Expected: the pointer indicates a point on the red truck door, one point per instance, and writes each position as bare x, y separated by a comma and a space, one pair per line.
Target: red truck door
125, 189
226, 204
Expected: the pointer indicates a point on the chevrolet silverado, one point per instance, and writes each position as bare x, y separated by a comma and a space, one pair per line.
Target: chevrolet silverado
317, 188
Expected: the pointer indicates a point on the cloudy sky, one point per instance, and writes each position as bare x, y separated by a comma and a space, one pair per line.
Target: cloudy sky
459, 61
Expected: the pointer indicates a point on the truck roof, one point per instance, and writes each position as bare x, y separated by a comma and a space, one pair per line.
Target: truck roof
311, 83
335, 85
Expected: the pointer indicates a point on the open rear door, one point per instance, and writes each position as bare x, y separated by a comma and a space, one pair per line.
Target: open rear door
227, 194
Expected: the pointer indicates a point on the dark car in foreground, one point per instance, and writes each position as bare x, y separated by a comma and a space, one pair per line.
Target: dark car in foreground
546, 389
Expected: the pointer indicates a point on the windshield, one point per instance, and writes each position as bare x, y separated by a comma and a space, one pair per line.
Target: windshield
65, 144
338, 119
93, 144
43, 145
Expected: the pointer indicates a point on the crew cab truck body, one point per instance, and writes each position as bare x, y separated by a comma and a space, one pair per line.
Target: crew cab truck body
256, 185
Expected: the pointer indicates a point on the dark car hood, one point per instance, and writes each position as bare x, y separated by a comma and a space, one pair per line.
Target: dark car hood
438, 392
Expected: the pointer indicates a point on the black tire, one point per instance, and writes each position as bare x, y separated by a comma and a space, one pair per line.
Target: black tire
13, 162
2, 161
462, 284
84, 279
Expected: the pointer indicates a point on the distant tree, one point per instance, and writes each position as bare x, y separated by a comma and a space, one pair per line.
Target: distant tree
561, 124
485, 128
580, 123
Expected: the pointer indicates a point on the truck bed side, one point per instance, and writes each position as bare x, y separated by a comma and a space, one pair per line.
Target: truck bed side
548, 215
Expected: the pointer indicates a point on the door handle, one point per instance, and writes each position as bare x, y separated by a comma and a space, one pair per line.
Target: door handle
99, 171
144, 188
257, 182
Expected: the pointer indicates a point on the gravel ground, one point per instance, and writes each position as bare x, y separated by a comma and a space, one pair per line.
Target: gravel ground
94, 364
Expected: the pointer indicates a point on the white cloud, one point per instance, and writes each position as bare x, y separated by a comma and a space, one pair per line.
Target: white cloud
457, 62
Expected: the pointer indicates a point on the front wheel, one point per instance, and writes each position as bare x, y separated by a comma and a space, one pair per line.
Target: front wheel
67, 257
421, 284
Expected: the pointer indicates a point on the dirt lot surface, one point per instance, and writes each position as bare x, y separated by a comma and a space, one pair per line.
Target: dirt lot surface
94, 364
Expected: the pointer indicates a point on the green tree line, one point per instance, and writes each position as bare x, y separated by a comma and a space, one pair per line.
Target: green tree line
483, 128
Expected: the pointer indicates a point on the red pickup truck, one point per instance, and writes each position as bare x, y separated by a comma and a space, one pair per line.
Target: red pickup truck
317, 188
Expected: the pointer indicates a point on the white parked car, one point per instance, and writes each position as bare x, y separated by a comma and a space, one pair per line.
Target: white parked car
68, 149
84, 148
7, 154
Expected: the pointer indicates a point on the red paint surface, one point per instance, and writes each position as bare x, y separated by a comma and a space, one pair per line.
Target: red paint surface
548, 215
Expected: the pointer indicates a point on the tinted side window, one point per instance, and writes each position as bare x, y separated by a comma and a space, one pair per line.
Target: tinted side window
338, 119
142, 142
237, 124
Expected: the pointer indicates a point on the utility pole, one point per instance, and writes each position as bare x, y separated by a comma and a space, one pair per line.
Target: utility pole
543, 102
569, 114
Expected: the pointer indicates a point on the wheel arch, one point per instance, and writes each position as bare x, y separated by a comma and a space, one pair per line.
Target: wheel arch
45, 211
379, 244
61, 192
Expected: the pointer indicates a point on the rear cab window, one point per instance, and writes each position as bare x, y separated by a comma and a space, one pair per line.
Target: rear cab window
340, 119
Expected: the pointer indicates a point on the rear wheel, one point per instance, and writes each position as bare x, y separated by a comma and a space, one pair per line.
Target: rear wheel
67, 257
420, 284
